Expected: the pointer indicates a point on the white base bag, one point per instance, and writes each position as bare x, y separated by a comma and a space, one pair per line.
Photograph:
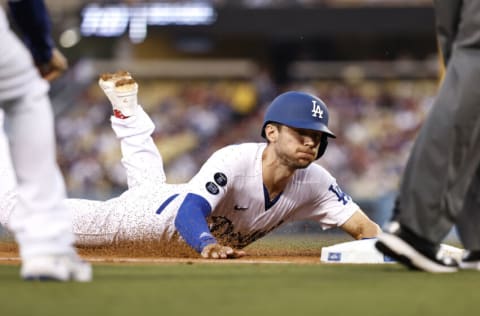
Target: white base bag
364, 251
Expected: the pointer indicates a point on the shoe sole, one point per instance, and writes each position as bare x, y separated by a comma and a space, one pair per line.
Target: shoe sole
396, 248
395, 256
119, 88
75, 277
470, 265
43, 278
56, 268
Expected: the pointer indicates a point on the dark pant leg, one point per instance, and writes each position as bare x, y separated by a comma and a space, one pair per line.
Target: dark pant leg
443, 160
468, 221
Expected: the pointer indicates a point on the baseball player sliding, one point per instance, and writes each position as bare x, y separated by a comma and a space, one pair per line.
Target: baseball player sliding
240, 194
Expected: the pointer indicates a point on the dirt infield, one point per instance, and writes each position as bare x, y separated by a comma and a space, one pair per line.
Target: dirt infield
158, 253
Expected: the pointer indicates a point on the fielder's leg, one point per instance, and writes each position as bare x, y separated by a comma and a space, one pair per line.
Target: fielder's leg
8, 183
40, 220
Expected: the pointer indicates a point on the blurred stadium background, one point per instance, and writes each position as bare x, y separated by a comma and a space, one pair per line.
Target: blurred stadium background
208, 69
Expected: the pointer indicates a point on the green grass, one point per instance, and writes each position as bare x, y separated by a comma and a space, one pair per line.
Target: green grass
245, 289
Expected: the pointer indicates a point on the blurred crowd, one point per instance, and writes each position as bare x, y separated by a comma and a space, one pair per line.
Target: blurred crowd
333, 3
298, 3
276, 3
375, 122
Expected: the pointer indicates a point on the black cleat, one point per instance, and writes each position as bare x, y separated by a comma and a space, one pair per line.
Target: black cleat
414, 251
471, 260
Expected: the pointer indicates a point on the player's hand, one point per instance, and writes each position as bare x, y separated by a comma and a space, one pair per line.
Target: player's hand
55, 67
217, 251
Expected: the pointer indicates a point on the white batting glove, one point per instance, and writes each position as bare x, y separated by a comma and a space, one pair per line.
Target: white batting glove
217, 251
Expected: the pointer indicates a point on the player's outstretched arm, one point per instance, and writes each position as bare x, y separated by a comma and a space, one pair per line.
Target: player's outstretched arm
360, 226
192, 225
217, 251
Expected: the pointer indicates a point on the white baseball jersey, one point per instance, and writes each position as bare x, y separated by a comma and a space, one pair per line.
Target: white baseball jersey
231, 182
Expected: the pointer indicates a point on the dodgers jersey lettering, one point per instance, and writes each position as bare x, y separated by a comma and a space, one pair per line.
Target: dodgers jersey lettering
231, 181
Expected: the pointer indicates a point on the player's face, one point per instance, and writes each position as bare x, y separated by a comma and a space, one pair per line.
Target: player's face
297, 147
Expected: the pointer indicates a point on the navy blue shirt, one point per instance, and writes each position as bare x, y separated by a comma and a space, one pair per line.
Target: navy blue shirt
31, 17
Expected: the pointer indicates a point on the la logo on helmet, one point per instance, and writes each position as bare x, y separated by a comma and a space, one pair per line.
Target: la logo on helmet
316, 110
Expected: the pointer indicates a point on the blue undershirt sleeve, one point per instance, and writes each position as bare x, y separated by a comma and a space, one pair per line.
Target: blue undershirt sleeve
31, 17
191, 222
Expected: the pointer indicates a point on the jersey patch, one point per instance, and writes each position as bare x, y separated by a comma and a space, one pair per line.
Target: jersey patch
220, 178
212, 188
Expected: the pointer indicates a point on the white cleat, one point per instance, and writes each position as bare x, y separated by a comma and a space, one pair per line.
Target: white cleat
56, 268
126, 94
121, 90
107, 83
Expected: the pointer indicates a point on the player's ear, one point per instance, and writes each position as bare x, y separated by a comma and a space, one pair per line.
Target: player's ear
271, 132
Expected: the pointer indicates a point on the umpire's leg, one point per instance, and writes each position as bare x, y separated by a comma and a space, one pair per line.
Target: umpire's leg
442, 162
469, 219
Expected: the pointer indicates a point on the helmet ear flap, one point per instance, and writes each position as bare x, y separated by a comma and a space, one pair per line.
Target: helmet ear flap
323, 145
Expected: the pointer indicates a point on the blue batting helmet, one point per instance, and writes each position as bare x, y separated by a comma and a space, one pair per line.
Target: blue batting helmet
300, 110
